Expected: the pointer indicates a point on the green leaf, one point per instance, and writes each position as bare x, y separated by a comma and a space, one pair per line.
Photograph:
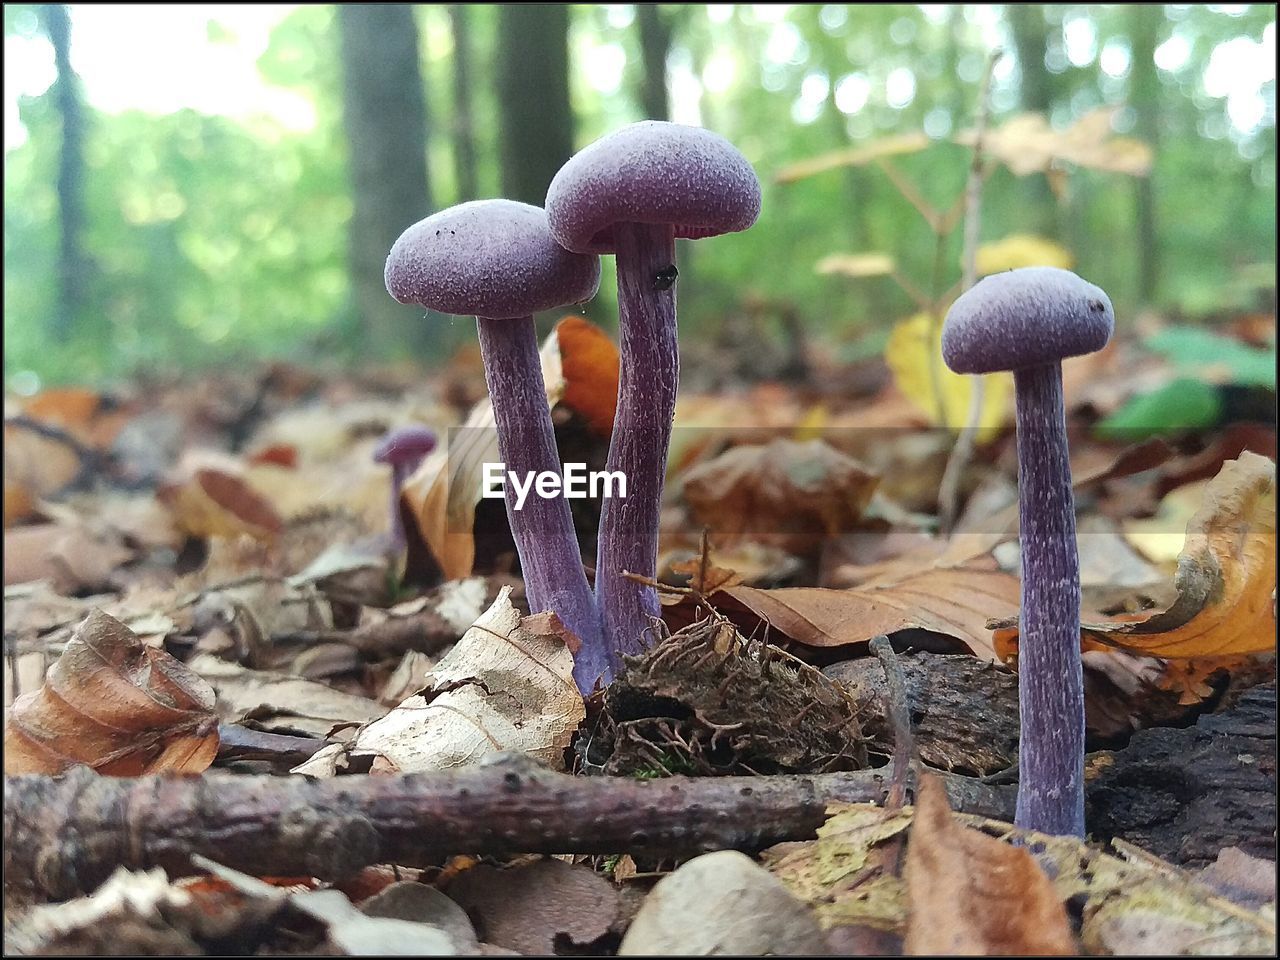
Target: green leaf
1184, 404
1217, 358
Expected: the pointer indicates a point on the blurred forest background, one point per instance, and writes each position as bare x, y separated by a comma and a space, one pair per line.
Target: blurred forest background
196, 185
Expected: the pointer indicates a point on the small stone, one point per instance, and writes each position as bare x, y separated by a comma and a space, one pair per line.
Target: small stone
723, 904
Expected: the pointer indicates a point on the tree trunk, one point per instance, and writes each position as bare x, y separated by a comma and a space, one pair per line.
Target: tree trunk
464, 135
655, 45
533, 97
72, 263
1035, 94
1144, 97
385, 116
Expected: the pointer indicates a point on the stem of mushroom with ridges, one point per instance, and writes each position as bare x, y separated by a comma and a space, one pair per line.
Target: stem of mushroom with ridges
648, 378
550, 560
1050, 674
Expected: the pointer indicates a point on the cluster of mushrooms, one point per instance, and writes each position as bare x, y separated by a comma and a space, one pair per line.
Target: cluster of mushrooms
632, 194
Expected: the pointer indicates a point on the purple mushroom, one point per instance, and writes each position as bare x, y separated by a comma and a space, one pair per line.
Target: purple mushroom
496, 260
1027, 321
632, 193
402, 448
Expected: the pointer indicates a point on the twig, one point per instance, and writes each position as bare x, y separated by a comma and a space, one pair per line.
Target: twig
962, 452
67, 834
899, 714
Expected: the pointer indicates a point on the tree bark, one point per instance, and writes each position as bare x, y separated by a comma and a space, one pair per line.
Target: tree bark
385, 115
65, 835
73, 265
1144, 97
464, 135
655, 44
533, 97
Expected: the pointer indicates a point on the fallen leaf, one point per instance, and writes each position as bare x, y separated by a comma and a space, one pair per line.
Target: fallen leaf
502, 687
953, 601
913, 352
279, 703
209, 497
971, 894
538, 908
579, 368
118, 706
1225, 582
788, 494
589, 372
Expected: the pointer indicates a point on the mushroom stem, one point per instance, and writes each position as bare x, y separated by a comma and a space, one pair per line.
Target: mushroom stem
550, 561
399, 474
649, 372
1050, 674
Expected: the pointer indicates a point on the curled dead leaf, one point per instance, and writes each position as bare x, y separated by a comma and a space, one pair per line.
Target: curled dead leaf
116, 705
504, 686
210, 497
1225, 582
790, 494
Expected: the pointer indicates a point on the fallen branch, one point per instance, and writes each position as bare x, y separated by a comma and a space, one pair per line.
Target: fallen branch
65, 835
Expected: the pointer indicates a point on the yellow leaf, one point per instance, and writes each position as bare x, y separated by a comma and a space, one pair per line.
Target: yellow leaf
915, 358
1021, 250
856, 264
1226, 579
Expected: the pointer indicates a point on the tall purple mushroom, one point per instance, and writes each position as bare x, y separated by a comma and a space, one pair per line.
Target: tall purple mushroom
632, 193
496, 260
402, 449
1027, 321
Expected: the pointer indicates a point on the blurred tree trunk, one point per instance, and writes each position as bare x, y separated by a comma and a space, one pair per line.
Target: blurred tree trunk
533, 97
385, 115
73, 265
464, 131
1144, 97
1035, 94
655, 44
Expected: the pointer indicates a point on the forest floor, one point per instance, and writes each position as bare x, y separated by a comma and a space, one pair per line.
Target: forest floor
385, 755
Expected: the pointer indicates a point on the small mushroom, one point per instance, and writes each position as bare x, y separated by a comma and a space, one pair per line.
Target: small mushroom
495, 259
632, 193
402, 448
1028, 321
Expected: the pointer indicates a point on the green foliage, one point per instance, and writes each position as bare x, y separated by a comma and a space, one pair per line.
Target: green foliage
1195, 350
213, 238
1182, 405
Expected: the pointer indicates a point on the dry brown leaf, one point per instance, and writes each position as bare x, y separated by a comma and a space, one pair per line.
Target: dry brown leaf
973, 895
580, 369
535, 908
589, 368
209, 497
504, 686
788, 494
1225, 582
956, 602
280, 703
112, 703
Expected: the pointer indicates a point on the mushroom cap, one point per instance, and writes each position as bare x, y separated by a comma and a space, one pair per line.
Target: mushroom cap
403, 444
488, 258
1025, 318
652, 172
